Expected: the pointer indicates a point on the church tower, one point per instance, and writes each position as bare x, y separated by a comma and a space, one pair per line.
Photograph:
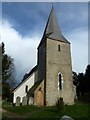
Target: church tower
54, 64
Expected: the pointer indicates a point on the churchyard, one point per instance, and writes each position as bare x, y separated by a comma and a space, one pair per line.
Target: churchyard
77, 111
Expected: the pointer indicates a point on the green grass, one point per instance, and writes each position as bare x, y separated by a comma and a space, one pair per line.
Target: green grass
78, 110
48, 112
21, 109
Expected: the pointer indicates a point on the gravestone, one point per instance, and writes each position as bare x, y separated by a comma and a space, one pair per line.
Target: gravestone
18, 101
24, 101
65, 117
31, 101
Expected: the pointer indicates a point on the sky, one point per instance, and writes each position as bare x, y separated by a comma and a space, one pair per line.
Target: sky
23, 24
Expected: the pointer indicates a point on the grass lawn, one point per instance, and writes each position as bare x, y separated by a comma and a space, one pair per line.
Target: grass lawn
21, 109
78, 110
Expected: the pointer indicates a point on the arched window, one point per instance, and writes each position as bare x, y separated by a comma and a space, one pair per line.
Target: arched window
60, 81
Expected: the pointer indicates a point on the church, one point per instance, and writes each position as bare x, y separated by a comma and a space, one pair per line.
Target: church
51, 78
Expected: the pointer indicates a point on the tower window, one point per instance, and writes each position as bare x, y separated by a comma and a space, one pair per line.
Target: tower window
59, 49
26, 88
60, 81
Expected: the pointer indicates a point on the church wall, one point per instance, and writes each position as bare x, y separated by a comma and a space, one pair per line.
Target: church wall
42, 66
20, 91
36, 76
42, 61
58, 61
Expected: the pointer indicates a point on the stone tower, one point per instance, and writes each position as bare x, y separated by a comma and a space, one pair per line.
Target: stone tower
54, 64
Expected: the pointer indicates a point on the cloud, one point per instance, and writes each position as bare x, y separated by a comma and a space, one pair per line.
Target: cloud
22, 49
30, 16
72, 15
33, 16
79, 49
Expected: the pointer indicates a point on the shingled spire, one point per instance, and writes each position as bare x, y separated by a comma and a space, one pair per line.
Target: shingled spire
52, 29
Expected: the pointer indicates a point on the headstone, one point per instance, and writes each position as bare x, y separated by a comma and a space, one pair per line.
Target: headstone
18, 99
24, 101
65, 117
31, 101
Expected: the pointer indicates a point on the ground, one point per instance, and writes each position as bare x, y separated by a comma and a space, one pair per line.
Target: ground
78, 110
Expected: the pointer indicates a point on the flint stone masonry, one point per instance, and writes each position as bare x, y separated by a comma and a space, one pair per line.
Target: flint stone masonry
58, 62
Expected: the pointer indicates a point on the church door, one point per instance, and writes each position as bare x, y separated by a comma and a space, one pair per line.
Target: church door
40, 98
